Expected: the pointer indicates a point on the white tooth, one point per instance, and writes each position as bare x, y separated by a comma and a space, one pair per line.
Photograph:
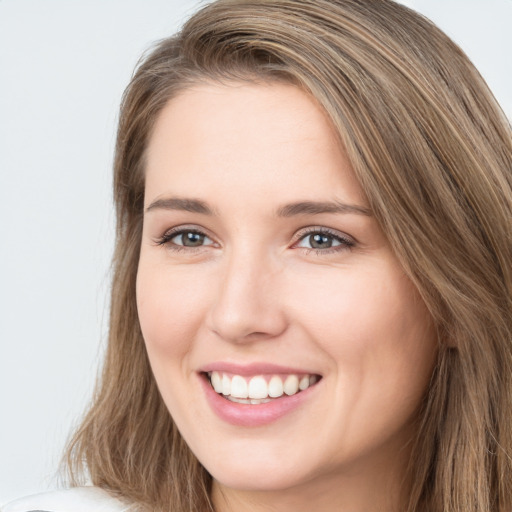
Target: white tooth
226, 385
238, 400
260, 401
275, 387
258, 388
304, 383
313, 380
291, 385
239, 387
216, 382
249, 401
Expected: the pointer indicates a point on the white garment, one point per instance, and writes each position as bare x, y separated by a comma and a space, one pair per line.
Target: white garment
77, 499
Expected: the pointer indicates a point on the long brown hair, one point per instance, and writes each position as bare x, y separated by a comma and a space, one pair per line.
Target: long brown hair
433, 153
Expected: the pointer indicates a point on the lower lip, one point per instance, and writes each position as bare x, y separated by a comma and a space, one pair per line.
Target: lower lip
247, 415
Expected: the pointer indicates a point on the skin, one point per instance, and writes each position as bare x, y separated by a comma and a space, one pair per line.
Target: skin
255, 291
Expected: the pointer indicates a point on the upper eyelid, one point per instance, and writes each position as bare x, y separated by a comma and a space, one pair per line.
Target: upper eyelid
300, 231
176, 230
299, 234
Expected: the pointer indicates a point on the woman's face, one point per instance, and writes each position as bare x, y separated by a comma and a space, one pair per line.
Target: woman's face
263, 270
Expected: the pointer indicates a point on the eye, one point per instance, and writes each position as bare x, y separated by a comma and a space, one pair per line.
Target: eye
190, 239
324, 240
185, 238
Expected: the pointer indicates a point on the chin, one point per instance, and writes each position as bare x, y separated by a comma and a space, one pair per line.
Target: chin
261, 470
257, 479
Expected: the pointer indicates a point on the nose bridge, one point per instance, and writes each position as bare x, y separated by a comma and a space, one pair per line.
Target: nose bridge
246, 306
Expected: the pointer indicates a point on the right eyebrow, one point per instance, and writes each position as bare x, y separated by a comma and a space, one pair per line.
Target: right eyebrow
178, 203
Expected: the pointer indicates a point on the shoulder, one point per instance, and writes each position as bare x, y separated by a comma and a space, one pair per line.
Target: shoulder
77, 499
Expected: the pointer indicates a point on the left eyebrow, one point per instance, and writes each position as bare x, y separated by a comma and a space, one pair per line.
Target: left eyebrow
319, 207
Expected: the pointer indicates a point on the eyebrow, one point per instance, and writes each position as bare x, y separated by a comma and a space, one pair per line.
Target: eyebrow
319, 207
183, 204
287, 210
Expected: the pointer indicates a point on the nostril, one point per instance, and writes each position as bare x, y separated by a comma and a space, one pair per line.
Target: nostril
256, 335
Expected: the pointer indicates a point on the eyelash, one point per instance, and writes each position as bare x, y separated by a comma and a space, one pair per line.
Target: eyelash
166, 239
344, 241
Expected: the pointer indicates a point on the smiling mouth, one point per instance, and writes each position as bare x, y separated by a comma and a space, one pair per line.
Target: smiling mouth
259, 389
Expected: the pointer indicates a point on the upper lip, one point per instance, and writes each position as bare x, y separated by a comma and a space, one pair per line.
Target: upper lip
260, 368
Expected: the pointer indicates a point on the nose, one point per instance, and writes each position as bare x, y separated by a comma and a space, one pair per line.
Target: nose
248, 305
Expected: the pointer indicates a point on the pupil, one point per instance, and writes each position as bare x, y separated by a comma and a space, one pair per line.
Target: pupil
191, 239
319, 241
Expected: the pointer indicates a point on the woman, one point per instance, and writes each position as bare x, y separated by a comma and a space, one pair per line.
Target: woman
312, 294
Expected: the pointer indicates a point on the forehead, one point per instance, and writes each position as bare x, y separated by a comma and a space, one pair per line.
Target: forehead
248, 136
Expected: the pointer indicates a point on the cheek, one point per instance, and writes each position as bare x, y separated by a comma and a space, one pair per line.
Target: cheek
170, 308
375, 328
346, 305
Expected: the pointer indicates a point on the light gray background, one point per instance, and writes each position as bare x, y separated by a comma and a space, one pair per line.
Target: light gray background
63, 67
